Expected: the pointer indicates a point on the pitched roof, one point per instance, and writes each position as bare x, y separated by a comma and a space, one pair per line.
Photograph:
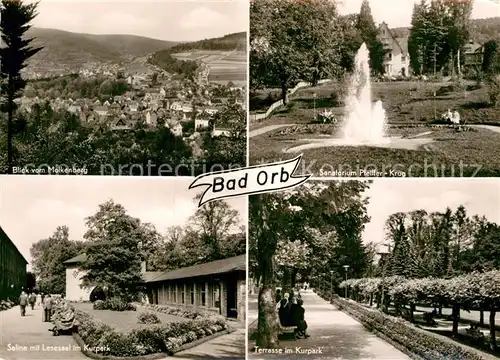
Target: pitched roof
399, 35
77, 259
236, 263
3, 235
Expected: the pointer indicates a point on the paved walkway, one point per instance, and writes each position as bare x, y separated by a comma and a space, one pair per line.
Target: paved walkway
28, 338
266, 129
334, 335
229, 347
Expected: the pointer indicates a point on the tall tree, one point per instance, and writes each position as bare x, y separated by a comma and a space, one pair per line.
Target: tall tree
366, 26
214, 222
15, 16
116, 246
49, 256
321, 206
292, 41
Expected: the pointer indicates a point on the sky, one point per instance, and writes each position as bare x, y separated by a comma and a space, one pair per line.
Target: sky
32, 207
397, 13
389, 196
172, 20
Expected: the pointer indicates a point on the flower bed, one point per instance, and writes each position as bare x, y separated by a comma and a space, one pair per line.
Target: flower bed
104, 340
171, 310
6, 305
420, 342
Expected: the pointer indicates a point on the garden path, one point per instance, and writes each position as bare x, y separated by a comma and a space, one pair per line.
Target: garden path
337, 335
31, 337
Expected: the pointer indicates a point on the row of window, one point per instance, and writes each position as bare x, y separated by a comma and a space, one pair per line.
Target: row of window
200, 294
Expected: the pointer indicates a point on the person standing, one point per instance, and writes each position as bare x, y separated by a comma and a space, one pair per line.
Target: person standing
47, 308
32, 301
23, 301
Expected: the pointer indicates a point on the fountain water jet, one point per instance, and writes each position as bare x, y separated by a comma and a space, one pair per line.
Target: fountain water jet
365, 123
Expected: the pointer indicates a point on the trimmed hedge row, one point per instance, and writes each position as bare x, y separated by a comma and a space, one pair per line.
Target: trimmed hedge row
474, 290
102, 339
177, 311
419, 342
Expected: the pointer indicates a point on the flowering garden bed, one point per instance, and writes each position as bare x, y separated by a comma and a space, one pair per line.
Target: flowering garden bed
6, 305
177, 311
101, 341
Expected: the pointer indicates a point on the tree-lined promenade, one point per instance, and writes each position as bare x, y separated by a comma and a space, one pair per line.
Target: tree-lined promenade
478, 291
313, 234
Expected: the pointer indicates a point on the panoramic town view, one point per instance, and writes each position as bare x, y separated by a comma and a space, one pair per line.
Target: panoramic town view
375, 270
106, 276
379, 88
161, 99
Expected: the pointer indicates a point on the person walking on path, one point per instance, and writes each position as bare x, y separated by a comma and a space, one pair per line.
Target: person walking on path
32, 301
47, 308
23, 301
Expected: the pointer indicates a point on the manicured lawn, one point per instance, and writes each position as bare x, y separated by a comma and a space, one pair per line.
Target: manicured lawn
123, 320
453, 153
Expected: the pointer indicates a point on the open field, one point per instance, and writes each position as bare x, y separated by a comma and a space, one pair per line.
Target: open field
411, 108
225, 66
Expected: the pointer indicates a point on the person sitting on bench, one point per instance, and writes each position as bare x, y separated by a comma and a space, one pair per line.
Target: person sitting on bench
298, 318
284, 310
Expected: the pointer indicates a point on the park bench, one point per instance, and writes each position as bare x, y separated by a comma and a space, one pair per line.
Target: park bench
475, 334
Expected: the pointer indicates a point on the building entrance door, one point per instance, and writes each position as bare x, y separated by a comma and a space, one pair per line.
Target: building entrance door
232, 300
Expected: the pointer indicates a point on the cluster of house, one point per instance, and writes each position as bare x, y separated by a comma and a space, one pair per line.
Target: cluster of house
397, 60
158, 104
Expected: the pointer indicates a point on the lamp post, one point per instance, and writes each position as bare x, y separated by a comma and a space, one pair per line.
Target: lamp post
346, 268
383, 255
331, 284
314, 100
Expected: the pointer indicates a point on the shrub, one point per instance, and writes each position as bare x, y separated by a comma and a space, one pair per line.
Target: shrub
493, 83
148, 318
115, 304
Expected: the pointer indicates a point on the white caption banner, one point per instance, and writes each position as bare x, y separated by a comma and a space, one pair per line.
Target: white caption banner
250, 180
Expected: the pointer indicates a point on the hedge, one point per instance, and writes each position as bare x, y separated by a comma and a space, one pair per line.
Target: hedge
417, 341
104, 340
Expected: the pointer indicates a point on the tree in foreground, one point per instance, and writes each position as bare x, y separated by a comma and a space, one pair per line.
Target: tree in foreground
316, 220
116, 247
293, 41
14, 52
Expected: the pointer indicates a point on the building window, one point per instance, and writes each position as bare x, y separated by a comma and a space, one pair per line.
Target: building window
216, 296
173, 297
203, 294
192, 294
403, 59
166, 291
183, 299
390, 56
